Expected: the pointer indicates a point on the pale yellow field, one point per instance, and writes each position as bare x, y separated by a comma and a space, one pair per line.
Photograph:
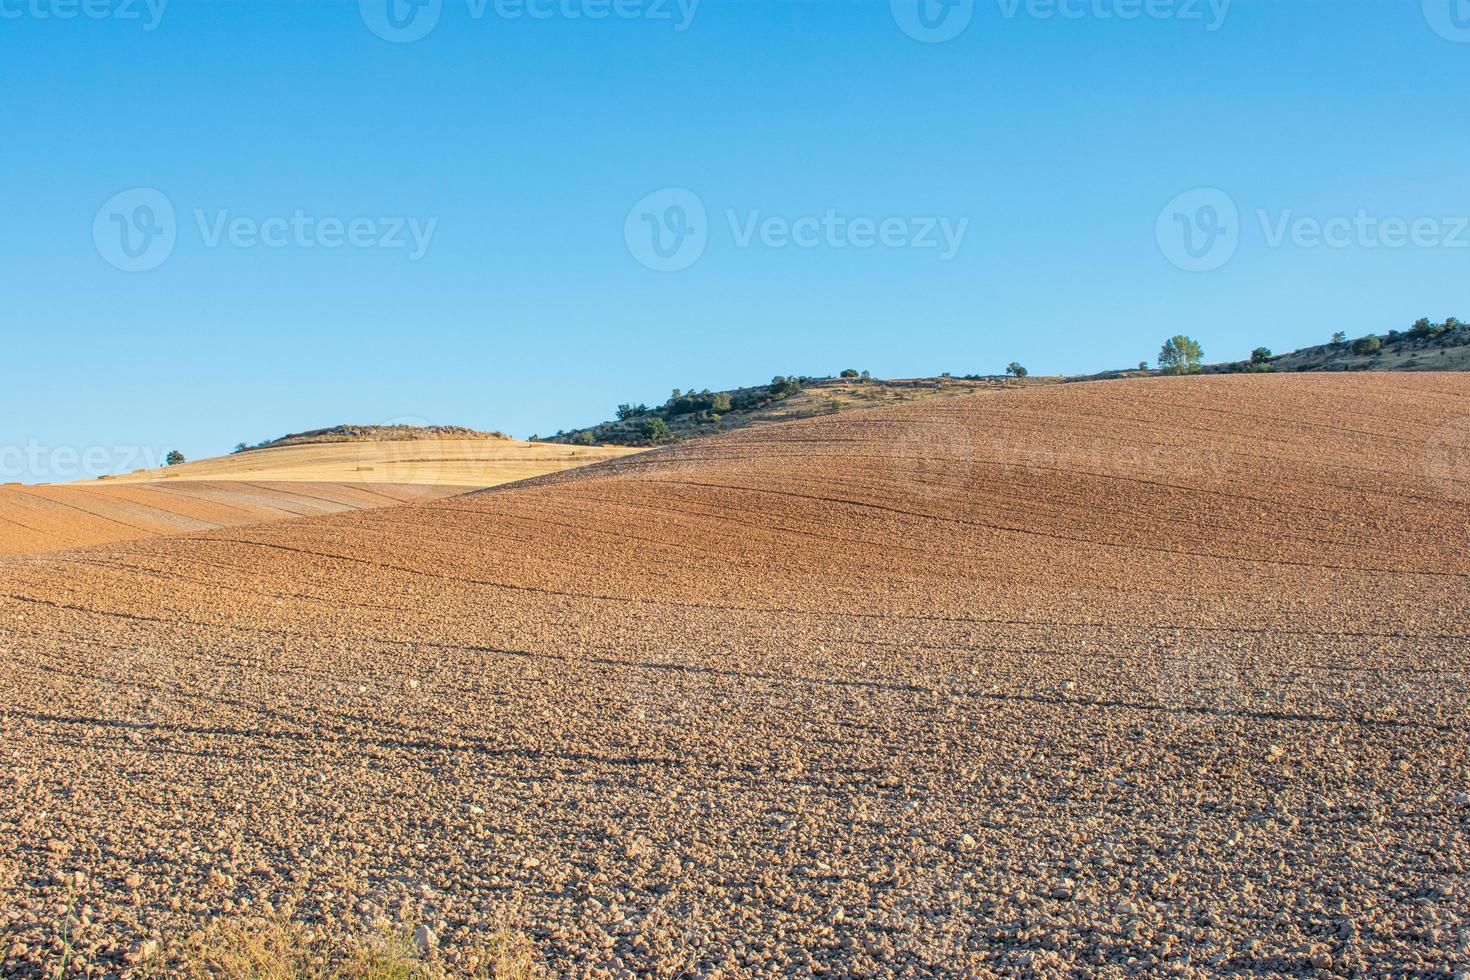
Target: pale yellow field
271, 484
441, 462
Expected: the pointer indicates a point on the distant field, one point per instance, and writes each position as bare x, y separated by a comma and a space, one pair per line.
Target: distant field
445, 462
56, 518
277, 483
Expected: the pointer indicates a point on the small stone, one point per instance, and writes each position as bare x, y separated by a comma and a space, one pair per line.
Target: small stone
424, 937
142, 952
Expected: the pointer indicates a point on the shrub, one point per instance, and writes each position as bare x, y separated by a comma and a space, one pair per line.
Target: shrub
1364, 346
783, 387
1260, 362
282, 950
1181, 355
655, 429
698, 401
174, 458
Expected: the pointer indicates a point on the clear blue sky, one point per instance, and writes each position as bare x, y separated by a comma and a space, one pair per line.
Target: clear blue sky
526, 142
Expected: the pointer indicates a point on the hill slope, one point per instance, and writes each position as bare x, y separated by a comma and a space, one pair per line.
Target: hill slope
697, 414
303, 475
1143, 676
55, 518
1425, 346
473, 462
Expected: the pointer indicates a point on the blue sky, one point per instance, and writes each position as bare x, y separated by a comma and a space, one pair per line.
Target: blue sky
1055, 148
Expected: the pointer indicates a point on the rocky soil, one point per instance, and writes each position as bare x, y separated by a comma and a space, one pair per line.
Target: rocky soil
1162, 677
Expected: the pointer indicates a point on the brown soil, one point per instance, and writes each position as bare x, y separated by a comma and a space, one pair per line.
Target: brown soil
1141, 676
56, 518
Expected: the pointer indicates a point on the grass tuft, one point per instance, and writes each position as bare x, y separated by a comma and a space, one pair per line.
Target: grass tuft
283, 950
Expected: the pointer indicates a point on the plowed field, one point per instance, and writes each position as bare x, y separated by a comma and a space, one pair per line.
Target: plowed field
1125, 677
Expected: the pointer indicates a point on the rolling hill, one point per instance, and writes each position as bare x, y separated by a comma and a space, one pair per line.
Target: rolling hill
460, 462
301, 475
1425, 346
1152, 676
696, 414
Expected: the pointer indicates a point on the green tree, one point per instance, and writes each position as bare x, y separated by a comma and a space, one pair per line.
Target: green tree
1364, 346
174, 458
849, 373
1015, 370
1143, 365
655, 429
1340, 337
1261, 355
629, 411
1181, 355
